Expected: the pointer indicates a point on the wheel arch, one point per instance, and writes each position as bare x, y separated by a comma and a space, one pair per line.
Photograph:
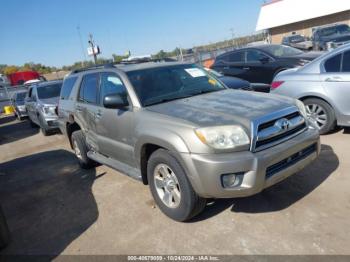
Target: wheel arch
314, 96
70, 128
148, 144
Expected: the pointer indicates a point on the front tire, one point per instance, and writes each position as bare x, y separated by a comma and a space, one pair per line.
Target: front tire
321, 114
81, 150
32, 124
171, 189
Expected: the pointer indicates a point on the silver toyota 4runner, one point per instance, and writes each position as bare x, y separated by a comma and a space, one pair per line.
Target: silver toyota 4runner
182, 132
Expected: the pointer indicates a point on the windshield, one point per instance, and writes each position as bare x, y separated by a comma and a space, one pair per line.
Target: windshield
158, 85
20, 96
340, 29
296, 39
49, 91
281, 50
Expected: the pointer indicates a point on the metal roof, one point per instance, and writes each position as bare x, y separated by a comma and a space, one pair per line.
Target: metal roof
282, 12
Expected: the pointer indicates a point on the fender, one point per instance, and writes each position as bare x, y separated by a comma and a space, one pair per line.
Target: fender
160, 137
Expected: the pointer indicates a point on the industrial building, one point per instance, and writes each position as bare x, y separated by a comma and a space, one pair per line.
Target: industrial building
285, 17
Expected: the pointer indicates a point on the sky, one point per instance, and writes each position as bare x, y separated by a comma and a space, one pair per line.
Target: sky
46, 31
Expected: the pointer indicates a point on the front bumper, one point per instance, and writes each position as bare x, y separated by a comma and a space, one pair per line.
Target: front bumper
205, 171
21, 113
50, 122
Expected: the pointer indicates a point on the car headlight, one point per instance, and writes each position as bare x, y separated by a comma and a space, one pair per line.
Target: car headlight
303, 62
49, 110
223, 137
21, 108
301, 108
330, 45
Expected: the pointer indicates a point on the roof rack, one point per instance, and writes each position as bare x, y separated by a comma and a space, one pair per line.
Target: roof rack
109, 65
134, 61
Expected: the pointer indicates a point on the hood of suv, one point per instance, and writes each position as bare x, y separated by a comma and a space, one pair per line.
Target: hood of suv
226, 107
50, 101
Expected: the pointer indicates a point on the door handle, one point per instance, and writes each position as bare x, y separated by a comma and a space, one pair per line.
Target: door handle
246, 68
334, 79
226, 67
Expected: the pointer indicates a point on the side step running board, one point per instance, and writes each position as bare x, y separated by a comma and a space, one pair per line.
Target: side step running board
115, 164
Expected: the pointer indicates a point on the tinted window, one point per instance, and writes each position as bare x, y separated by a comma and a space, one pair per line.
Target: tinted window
296, 39
236, 57
254, 56
346, 62
159, 85
111, 84
333, 64
88, 89
281, 50
67, 87
49, 91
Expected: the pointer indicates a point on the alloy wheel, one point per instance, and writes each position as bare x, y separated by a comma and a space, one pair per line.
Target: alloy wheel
317, 114
167, 186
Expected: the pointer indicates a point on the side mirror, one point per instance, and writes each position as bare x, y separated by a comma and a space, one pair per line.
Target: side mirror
115, 101
264, 60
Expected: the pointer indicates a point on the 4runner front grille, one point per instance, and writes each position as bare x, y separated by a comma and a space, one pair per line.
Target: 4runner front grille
277, 128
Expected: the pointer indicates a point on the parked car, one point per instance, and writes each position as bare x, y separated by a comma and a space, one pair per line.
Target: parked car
230, 81
41, 102
259, 64
177, 128
298, 41
240, 84
18, 104
323, 86
331, 36
4, 81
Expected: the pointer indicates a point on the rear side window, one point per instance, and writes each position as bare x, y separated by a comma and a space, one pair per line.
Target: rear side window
255, 56
88, 89
236, 57
67, 87
332, 65
346, 62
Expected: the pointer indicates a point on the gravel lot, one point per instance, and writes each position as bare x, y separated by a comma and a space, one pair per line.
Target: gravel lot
53, 207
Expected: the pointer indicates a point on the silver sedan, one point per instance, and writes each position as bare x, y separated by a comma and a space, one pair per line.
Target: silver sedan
324, 87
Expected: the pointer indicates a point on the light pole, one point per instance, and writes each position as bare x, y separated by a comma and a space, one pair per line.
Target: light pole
91, 43
82, 46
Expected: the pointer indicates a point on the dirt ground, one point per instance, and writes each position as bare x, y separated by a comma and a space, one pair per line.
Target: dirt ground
53, 207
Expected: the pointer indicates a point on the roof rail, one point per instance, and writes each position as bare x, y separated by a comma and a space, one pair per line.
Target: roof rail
111, 65
108, 65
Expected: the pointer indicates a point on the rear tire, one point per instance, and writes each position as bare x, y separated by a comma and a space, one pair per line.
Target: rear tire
44, 131
162, 167
325, 120
81, 150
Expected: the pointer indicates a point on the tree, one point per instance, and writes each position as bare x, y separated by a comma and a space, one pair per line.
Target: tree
10, 70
